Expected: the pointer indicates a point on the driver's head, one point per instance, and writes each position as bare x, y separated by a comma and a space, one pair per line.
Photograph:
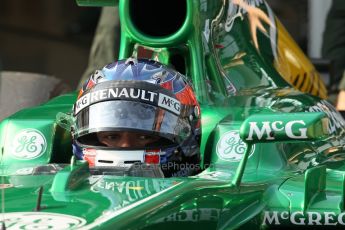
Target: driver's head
137, 111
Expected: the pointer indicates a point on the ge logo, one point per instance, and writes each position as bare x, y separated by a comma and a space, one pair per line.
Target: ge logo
42, 220
28, 144
230, 147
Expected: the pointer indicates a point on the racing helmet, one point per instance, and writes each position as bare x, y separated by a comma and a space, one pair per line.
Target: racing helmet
143, 97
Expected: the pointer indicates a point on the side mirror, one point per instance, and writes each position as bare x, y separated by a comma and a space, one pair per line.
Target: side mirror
280, 127
284, 127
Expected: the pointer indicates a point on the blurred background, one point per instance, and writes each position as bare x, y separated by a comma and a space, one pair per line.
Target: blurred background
46, 36
53, 37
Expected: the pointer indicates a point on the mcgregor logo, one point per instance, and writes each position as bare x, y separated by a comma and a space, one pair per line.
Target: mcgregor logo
28, 144
301, 218
268, 128
231, 148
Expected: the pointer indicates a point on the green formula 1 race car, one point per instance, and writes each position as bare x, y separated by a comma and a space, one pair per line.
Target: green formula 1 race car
272, 147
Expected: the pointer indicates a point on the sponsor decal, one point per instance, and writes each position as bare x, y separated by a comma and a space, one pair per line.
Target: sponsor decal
192, 215
28, 144
82, 103
40, 220
267, 129
304, 218
169, 103
130, 191
118, 201
140, 95
231, 148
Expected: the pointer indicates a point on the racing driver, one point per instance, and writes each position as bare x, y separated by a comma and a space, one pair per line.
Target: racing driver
138, 111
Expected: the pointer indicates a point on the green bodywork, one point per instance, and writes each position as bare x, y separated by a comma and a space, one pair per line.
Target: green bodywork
272, 156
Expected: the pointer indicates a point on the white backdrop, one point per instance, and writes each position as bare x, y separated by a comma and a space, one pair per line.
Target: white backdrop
20, 90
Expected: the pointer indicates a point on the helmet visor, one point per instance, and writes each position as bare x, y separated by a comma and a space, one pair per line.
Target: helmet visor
131, 116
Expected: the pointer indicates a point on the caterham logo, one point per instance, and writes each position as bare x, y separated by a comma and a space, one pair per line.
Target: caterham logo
267, 129
28, 144
40, 220
231, 148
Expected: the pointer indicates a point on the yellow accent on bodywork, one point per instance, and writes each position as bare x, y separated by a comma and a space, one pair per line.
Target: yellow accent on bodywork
295, 67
